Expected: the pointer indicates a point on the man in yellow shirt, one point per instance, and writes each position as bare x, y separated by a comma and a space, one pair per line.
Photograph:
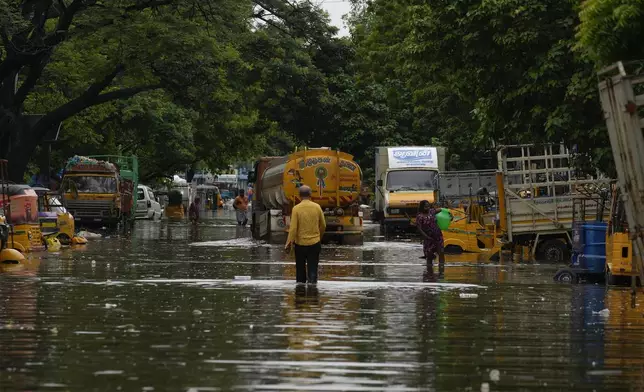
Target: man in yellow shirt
307, 227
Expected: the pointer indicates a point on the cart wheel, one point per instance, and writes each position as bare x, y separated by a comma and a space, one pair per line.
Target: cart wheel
566, 276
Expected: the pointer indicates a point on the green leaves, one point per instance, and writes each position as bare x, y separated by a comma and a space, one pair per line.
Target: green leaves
611, 30
475, 71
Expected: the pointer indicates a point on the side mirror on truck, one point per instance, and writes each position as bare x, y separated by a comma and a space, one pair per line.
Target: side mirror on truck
251, 177
379, 183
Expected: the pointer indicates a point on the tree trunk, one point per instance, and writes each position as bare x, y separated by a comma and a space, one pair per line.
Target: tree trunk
22, 146
18, 161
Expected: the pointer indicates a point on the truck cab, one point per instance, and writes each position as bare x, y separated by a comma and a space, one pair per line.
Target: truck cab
101, 189
405, 176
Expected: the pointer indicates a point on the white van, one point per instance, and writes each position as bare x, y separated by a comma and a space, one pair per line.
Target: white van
147, 207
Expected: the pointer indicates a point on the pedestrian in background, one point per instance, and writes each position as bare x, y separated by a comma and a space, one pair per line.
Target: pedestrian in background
193, 211
241, 207
432, 236
305, 234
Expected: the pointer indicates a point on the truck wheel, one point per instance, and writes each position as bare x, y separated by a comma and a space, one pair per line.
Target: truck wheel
611, 280
553, 250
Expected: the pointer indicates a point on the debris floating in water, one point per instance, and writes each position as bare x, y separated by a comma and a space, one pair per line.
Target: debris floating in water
495, 375
603, 312
469, 295
242, 277
485, 387
604, 372
110, 306
88, 234
197, 312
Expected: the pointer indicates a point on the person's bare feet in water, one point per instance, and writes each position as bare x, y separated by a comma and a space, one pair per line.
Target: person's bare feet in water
428, 276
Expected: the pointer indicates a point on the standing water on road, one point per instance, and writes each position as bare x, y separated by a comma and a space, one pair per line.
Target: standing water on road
162, 310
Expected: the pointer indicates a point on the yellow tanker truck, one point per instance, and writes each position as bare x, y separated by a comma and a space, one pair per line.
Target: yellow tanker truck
335, 179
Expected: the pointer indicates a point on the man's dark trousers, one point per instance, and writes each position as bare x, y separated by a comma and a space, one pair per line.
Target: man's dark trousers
307, 258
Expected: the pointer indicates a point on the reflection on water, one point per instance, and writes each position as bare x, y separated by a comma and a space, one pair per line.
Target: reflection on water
158, 311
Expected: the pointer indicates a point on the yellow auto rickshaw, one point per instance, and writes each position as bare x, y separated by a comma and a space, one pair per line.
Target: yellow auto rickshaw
55, 220
174, 210
19, 208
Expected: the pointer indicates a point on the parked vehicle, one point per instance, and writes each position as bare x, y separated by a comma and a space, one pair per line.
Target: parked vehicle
471, 197
19, 210
405, 176
174, 210
55, 220
335, 181
536, 187
147, 207
588, 261
101, 189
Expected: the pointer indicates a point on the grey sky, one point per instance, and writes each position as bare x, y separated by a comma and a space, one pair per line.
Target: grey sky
336, 9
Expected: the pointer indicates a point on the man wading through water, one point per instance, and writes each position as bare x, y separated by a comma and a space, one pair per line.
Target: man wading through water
432, 236
307, 227
241, 207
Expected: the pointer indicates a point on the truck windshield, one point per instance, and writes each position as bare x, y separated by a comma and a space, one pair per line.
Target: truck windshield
414, 180
93, 184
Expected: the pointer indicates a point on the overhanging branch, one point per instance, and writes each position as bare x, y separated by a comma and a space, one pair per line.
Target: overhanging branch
83, 102
123, 93
91, 97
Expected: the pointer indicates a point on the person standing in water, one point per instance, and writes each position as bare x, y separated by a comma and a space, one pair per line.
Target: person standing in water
432, 236
307, 227
241, 207
193, 211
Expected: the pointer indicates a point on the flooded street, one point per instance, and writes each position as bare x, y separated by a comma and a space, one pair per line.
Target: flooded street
163, 311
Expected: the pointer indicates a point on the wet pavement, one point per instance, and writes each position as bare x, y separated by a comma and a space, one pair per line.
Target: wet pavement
162, 311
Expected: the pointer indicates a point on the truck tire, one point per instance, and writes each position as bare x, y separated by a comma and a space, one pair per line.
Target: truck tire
553, 250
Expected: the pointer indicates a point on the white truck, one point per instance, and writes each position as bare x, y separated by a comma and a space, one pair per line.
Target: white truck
405, 176
622, 98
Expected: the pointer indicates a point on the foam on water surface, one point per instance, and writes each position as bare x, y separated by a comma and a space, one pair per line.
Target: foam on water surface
232, 243
328, 284
250, 243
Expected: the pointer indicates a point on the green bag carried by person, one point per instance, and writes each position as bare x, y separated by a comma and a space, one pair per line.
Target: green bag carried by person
443, 219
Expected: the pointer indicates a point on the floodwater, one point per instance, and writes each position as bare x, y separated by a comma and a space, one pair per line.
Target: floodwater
162, 311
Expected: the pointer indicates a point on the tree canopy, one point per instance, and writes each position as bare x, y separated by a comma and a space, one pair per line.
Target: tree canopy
187, 82
174, 81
